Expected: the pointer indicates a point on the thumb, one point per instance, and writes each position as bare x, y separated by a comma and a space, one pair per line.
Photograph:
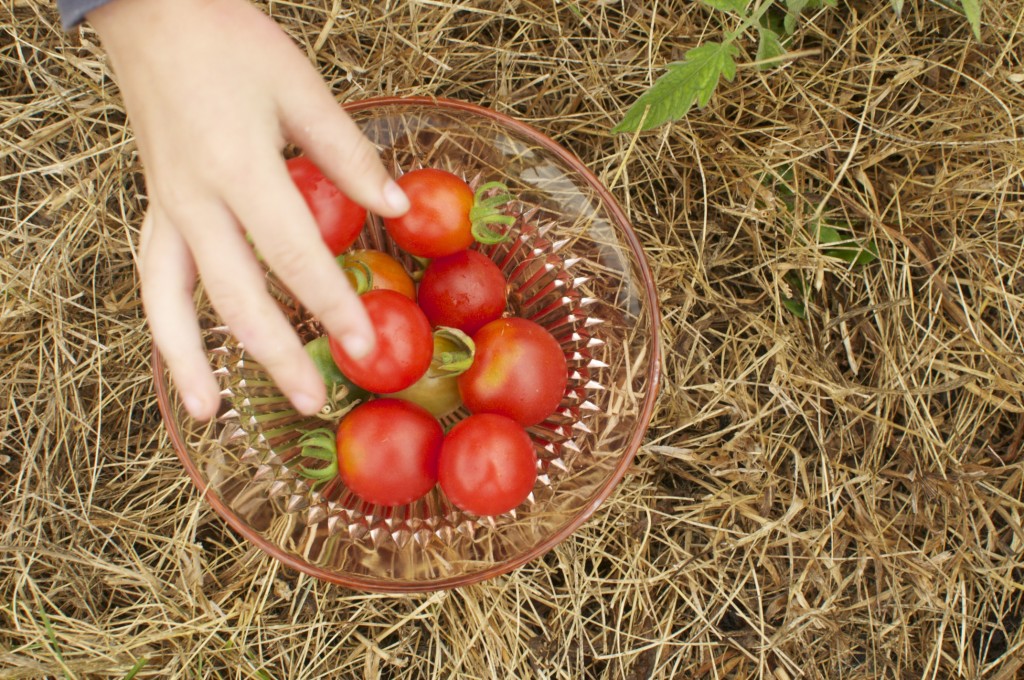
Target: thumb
332, 140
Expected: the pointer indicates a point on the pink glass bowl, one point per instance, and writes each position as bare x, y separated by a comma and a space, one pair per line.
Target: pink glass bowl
573, 264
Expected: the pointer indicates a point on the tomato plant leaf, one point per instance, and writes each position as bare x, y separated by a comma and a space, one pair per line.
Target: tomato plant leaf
688, 82
972, 9
738, 6
768, 47
793, 10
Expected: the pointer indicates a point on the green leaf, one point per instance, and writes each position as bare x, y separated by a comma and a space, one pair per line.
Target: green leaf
797, 283
826, 234
738, 6
852, 251
800, 289
897, 6
768, 46
688, 82
857, 254
797, 308
774, 19
793, 10
972, 9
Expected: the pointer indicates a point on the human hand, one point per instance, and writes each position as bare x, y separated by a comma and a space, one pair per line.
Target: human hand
214, 89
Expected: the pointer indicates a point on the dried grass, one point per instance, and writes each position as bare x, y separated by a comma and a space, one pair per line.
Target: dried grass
834, 497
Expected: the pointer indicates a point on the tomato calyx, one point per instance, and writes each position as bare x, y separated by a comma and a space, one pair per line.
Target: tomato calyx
454, 361
340, 400
319, 444
488, 203
438, 389
359, 273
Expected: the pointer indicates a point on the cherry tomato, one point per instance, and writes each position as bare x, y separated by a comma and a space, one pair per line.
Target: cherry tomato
438, 389
488, 465
437, 223
404, 345
386, 272
519, 371
436, 392
388, 451
464, 290
339, 217
319, 351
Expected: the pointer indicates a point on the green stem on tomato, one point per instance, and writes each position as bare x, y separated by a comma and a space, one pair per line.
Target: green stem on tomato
456, 360
319, 444
487, 210
361, 274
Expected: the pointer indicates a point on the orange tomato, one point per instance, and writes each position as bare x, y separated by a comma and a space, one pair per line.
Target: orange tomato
387, 273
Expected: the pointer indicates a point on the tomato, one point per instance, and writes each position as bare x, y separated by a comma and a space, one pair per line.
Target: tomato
488, 464
388, 451
319, 351
438, 389
339, 217
386, 273
464, 290
519, 371
436, 392
437, 222
404, 345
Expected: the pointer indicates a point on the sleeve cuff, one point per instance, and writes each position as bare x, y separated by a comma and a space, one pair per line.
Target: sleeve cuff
72, 12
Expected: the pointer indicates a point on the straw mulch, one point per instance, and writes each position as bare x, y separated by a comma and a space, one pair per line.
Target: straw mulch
835, 496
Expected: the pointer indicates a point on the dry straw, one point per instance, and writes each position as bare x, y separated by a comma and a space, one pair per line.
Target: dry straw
835, 496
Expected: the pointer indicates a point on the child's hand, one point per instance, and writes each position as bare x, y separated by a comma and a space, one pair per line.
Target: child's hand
214, 89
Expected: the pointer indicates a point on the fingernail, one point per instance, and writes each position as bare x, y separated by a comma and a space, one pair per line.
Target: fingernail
356, 346
306, 403
395, 197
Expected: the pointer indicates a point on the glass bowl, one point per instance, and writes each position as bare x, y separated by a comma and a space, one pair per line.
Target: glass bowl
573, 264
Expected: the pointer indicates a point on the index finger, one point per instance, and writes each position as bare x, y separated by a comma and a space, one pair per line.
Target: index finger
280, 223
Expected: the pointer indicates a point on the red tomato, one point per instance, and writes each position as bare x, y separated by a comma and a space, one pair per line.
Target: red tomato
339, 217
488, 464
388, 451
519, 371
404, 348
387, 272
437, 223
464, 290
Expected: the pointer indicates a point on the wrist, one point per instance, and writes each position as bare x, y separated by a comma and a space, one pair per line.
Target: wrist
137, 20
106, 17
